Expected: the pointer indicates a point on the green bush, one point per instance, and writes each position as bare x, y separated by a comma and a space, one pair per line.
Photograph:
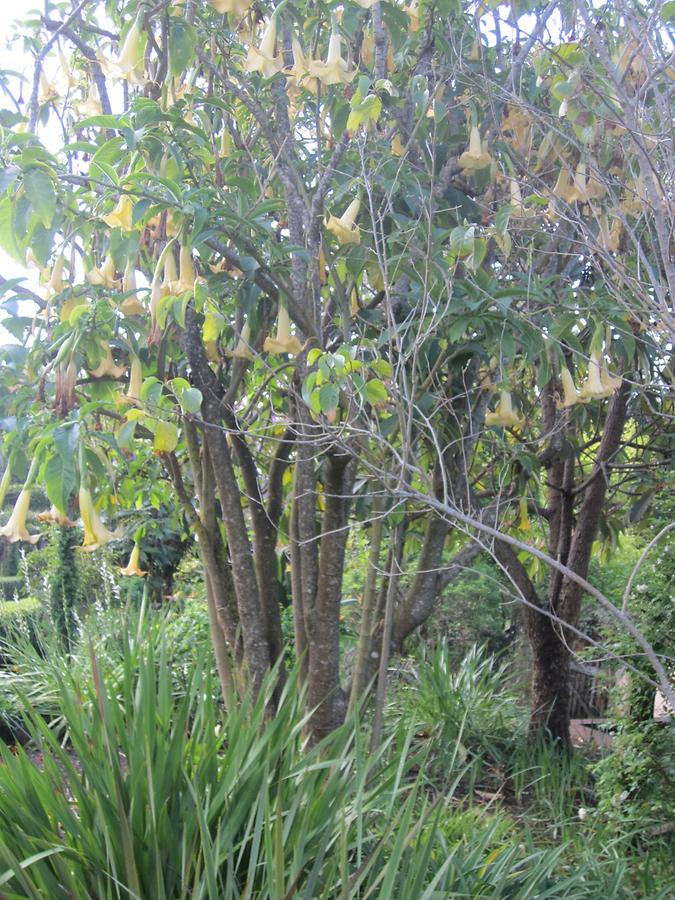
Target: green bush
17, 617
467, 713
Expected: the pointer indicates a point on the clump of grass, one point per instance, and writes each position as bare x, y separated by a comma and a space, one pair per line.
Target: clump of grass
150, 790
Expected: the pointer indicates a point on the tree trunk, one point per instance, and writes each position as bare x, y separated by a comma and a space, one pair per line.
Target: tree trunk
571, 542
325, 696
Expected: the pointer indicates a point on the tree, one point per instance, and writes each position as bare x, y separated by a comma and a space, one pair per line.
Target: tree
419, 193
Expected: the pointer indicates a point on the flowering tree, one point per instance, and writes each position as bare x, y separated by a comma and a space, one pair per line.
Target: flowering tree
335, 265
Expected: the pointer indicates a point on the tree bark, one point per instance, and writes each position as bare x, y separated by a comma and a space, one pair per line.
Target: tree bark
325, 696
571, 542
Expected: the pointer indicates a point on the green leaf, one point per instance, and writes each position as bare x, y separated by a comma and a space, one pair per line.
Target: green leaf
376, 392
40, 191
328, 397
213, 325
8, 240
366, 111
8, 176
182, 44
668, 11
191, 400
166, 437
59, 475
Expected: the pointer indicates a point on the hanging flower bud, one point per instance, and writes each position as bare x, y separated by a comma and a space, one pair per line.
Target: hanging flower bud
335, 70
504, 414
226, 145
570, 394
345, 228
262, 59
368, 48
4, 484
284, 342
243, 348
15, 529
95, 532
64, 387
166, 264
133, 567
121, 216
476, 157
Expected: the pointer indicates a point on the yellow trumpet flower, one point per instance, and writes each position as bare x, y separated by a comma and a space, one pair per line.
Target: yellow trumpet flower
609, 238
131, 305
284, 342
133, 567
476, 157
524, 523
15, 529
56, 517
262, 59
570, 393
120, 217
166, 264
243, 348
517, 207
504, 415
135, 380
107, 365
91, 105
170, 274
299, 72
66, 71
105, 276
414, 15
335, 70
186, 280
345, 228
56, 284
596, 387
610, 382
564, 186
48, 90
95, 532
368, 48
129, 64
236, 7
